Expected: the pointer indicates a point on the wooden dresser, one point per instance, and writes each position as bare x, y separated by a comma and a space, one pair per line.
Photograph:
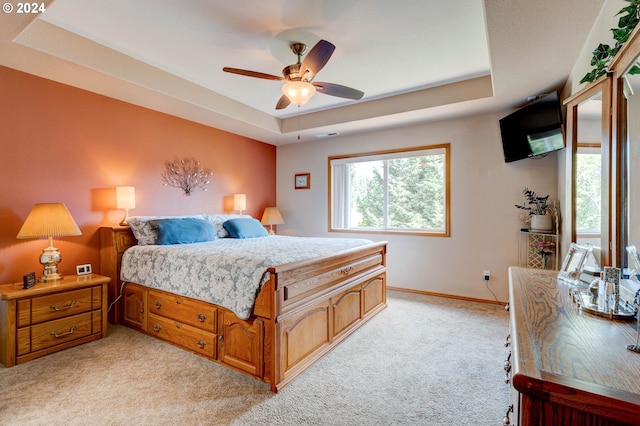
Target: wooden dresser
567, 367
50, 317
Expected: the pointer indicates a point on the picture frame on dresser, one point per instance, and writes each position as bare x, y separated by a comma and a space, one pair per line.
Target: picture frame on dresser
574, 262
635, 258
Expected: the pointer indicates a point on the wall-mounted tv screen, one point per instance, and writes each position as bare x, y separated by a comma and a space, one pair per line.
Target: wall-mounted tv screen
534, 130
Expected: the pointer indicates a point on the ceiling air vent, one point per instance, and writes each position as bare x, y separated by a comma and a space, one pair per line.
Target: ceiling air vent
327, 135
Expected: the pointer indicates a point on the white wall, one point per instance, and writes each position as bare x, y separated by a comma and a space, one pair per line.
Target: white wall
600, 33
484, 189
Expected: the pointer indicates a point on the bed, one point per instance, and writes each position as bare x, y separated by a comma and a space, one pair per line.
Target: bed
271, 319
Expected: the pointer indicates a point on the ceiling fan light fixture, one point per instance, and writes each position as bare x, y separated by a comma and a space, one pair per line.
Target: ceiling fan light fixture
298, 92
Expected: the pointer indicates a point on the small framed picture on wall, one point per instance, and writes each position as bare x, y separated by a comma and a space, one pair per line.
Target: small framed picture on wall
302, 181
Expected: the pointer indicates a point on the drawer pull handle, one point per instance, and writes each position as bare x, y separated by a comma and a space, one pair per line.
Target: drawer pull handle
202, 317
346, 271
158, 304
201, 343
157, 327
64, 308
57, 336
506, 421
507, 363
507, 341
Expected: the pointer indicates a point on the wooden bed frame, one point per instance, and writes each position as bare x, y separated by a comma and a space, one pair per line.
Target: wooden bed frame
303, 311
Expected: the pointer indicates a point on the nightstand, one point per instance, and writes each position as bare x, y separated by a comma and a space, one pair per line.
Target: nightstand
50, 317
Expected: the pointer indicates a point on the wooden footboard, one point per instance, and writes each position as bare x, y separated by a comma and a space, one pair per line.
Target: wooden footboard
303, 311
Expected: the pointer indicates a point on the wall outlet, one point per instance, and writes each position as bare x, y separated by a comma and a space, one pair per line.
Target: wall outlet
486, 275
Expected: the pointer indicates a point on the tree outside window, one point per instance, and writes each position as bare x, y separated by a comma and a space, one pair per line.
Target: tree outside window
588, 190
394, 191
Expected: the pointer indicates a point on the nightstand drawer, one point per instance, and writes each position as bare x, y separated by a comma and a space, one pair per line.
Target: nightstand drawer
183, 335
183, 310
54, 306
54, 332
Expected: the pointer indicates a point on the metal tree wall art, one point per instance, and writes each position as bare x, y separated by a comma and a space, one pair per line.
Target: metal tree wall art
186, 174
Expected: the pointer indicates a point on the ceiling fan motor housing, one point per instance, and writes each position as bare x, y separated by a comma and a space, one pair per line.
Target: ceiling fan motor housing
291, 72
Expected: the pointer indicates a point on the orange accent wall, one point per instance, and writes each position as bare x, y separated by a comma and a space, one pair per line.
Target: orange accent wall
62, 144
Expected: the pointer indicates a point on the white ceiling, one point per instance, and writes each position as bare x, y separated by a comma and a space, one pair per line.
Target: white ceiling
416, 61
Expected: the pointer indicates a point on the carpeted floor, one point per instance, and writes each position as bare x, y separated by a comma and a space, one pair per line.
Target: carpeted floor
422, 361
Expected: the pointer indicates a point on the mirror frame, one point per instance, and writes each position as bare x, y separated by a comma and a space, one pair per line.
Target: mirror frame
626, 57
602, 85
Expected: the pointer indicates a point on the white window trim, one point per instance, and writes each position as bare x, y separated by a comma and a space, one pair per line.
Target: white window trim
341, 212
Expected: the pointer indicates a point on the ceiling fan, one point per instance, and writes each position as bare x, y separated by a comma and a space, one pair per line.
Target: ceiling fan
299, 87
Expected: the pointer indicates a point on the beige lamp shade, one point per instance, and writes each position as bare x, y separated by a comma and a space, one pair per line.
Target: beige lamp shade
240, 202
125, 197
49, 220
271, 216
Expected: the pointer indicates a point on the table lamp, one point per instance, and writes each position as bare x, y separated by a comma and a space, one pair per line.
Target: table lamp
125, 199
240, 202
271, 216
49, 220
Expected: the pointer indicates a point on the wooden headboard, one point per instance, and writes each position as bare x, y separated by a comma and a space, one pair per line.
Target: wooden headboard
114, 240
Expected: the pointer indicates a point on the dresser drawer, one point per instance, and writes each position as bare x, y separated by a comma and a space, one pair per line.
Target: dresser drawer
183, 310
183, 335
58, 305
41, 336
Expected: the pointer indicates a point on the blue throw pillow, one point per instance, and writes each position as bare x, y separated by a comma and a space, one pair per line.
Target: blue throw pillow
183, 231
245, 227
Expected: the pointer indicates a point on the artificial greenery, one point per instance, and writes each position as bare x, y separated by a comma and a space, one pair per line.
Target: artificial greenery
604, 54
535, 204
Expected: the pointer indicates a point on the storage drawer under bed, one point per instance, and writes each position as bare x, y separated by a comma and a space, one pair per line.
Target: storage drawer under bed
183, 310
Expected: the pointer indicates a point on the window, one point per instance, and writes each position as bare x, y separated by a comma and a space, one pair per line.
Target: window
400, 191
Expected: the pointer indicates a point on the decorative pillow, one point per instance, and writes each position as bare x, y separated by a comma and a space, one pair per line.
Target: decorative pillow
246, 227
143, 231
218, 220
183, 231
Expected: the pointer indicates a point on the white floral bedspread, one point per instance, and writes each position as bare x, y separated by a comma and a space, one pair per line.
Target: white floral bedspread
228, 272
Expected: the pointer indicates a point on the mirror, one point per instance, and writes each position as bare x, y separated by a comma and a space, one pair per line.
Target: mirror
631, 185
588, 146
627, 149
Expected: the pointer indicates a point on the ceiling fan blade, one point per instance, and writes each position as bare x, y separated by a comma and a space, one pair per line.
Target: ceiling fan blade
252, 73
316, 59
338, 90
283, 102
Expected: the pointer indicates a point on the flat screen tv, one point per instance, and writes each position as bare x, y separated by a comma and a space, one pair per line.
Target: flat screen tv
534, 130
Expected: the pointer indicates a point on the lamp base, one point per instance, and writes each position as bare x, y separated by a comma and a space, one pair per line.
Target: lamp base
47, 278
125, 219
50, 258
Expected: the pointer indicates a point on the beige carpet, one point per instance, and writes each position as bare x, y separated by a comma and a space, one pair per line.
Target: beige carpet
422, 361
